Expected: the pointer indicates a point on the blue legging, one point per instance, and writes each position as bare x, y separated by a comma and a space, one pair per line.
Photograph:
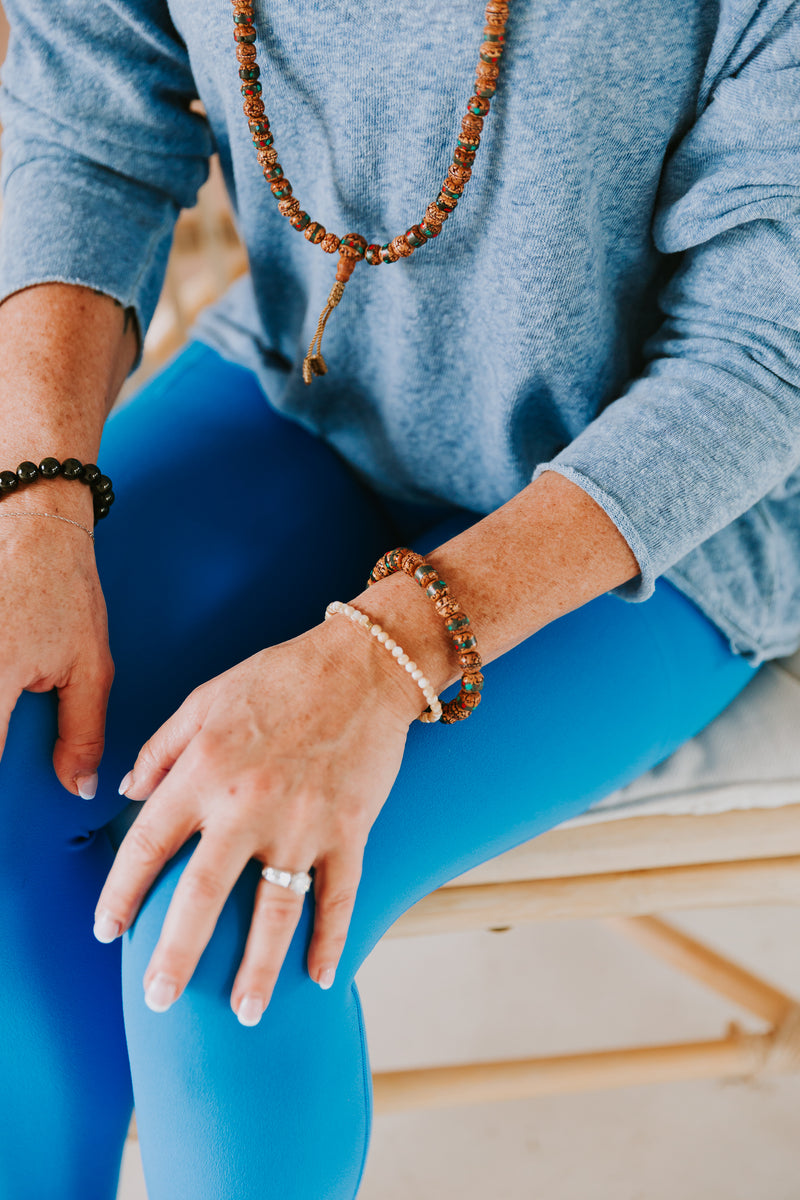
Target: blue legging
219, 499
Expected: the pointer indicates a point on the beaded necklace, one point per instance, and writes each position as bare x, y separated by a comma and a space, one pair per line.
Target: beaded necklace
353, 247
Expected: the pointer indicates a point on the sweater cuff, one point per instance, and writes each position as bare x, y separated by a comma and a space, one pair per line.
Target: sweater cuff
641, 587
60, 226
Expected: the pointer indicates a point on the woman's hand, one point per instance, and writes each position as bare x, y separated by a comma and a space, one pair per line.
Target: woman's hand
55, 633
287, 758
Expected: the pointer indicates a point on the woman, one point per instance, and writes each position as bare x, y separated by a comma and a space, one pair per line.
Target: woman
584, 393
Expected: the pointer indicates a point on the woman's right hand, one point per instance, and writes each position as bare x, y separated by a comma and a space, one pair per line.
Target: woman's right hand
55, 633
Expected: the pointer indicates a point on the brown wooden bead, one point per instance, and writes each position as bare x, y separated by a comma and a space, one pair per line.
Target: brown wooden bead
496, 9
400, 246
353, 245
267, 157
459, 174
471, 124
245, 52
451, 715
470, 660
330, 243
469, 699
347, 264
455, 185
486, 71
491, 52
434, 215
314, 232
473, 677
281, 189
253, 107
289, 207
464, 157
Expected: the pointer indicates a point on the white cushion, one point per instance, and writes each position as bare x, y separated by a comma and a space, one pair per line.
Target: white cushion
749, 757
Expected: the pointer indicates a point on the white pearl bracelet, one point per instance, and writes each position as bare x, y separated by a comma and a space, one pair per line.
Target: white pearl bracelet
380, 635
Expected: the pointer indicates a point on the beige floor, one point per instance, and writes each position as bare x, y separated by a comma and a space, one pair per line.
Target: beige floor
561, 987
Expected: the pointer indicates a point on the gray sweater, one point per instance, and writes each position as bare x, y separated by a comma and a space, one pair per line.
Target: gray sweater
617, 296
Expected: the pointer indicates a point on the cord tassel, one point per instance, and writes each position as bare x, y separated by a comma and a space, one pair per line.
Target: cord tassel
314, 363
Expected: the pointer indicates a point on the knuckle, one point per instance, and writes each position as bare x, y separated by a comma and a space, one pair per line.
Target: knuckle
338, 900
201, 886
145, 844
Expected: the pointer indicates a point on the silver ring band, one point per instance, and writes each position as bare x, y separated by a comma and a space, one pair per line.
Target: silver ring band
297, 881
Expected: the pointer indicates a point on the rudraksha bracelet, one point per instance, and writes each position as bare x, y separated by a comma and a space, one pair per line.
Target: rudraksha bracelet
456, 623
71, 468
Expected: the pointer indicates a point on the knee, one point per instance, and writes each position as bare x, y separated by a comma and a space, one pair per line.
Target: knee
209, 990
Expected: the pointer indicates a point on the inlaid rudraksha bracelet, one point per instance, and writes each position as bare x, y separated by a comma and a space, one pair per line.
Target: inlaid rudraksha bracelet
456, 623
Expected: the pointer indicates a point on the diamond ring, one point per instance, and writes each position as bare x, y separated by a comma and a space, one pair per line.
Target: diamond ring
297, 881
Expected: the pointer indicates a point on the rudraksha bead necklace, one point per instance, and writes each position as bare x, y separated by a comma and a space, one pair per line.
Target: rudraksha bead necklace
353, 247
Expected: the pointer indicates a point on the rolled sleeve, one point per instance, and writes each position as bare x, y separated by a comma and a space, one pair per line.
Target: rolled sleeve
712, 424
100, 148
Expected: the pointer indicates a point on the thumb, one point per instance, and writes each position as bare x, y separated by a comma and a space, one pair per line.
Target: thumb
82, 704
160, 752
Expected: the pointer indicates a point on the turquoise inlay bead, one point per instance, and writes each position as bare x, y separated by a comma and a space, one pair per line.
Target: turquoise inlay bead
428, 232
373, 254
414, 239
251, 89
283, 190
241, 19
436, 588
260, 127
455, 623
478, 106
249, 72
246, 34
300, 220
263, 143
423, 572
486, 91
465, 641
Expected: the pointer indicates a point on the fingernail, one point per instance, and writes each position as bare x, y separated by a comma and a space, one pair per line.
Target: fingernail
106, 928
326, 977
126, 783
250, 1010
161, 993
87, 786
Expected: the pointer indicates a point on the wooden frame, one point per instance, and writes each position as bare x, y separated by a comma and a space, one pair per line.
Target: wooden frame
622, 872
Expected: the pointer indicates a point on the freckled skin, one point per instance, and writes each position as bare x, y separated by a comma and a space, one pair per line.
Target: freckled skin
290, 755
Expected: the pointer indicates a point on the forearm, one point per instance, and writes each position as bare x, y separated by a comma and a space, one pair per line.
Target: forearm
65, 352
549, 550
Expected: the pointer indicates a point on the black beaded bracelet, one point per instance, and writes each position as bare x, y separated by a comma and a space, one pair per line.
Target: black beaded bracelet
49, 468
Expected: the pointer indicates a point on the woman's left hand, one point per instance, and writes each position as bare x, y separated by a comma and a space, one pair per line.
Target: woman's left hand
288, 758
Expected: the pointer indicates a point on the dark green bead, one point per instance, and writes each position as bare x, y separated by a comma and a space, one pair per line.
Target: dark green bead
436, 588
428, 232
241, 19
246, 34
90, 472
109, 498
424, 572
455, 623
465, 642
71, 468
258, 127
372, 254
273, 173
8, 482
471, 687
249, 72
102, 484
27, 472
263, 142
101, 511
251, 89
300, 220
282, 191
486, 91
49, 468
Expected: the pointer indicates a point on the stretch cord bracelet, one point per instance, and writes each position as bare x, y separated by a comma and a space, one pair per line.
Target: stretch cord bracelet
434, 711
28, 473
456, 623
55, 516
